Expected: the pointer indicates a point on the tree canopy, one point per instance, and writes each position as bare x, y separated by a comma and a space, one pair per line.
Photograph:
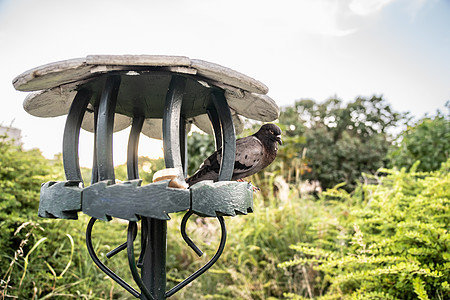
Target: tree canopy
427, 141
338, 140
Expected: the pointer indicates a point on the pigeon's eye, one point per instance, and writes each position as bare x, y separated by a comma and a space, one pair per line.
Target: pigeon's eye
271, 131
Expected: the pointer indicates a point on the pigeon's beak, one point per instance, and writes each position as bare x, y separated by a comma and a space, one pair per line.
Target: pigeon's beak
278, 138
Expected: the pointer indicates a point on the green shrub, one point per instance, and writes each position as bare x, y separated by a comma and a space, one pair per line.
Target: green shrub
428, 141
41, 258
394, 245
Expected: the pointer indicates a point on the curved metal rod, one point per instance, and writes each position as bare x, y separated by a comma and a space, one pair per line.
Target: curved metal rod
228, 135
119, 248
94, 174
102, 267
132, 230
171, 122
215, 121
132, 151
72, 135
144, 241
185, 236
208, 265
105, 128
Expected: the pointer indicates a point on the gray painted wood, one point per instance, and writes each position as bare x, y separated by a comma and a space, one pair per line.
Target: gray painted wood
55, 74
208, 198
127, 200
228, 76
60, 200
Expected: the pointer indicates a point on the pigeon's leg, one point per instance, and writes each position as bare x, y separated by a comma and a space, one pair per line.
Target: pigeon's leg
255, 188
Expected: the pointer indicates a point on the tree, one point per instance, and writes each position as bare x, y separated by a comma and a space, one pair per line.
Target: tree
341, 140
428, 141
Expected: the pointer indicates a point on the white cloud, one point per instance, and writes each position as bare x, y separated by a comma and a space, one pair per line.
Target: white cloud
367, 7
318, 17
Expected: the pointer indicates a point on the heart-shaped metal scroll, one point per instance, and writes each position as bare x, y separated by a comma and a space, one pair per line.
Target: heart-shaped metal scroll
108, 271
191, 244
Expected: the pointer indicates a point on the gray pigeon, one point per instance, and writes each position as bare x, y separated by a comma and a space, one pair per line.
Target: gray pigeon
253, 153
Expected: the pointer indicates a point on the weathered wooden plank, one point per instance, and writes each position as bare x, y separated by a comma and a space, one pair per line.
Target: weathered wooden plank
228, 76
127, 200
60, 80
52, 75
228, 198
253, 106
138, 60
60, 200
56, 102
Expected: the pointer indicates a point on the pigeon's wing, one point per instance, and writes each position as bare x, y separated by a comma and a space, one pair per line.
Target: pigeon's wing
249, 153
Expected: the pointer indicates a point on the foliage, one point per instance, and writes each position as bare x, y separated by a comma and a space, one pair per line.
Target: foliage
42, 258
428, 141
147, 168
21, 174
395, 243
200, 146
341, 141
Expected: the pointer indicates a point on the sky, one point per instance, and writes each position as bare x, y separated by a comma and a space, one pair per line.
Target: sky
300, 49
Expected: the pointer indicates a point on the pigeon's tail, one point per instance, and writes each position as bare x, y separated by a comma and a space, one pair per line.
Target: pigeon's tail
190, 181
202, 174
194, 179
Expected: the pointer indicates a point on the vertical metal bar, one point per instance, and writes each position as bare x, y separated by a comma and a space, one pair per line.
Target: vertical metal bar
71, 137
153, 271
228, 136
215, 121
183, 145
133, 143
94, 174
105, 128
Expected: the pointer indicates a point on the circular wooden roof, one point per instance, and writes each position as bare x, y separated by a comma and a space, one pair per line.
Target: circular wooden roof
144, 79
